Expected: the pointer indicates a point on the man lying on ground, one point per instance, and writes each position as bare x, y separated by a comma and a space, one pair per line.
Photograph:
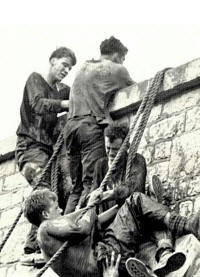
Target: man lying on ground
86, 251
161, 242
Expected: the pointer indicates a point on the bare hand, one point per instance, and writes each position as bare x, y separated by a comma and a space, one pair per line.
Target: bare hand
95, 197
65, 104
111, 270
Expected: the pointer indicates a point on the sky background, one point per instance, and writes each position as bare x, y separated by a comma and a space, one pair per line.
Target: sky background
167, 36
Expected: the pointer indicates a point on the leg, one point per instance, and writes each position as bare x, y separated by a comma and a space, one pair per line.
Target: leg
32, 159
76, 176
91, 139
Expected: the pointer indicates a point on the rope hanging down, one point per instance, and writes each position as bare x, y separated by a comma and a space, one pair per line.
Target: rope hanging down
43, 175
153, 90
145, 108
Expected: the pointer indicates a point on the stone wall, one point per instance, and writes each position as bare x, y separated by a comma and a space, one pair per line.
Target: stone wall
170, 145
171, 140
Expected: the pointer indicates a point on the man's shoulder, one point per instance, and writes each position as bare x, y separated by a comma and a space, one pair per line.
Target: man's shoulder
35, 77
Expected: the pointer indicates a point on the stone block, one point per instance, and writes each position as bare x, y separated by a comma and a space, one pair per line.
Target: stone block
190, 245
162, 150
160, 169
155, 113
7, 168
8, 217
3, 271
14, 181
11, 199
167, 128
182, 102
193, 119
185, 156
13, 248
147, 152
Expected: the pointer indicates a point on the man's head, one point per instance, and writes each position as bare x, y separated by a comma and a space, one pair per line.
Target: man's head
41, 205
114, 137
61, 62
114, 49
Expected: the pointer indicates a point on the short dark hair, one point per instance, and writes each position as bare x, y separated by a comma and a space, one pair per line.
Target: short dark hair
111, 46
62, 52
115, 131
37, 202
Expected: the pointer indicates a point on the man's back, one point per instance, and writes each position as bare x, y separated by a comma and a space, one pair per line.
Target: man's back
94, 81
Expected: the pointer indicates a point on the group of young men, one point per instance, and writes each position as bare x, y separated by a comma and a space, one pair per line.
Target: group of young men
104, 229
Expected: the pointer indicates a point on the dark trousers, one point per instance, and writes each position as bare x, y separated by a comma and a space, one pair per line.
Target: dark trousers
84, 140
32, 158
135, 223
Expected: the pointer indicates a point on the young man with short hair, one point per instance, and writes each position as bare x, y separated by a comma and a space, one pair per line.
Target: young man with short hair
44, 97
94, 84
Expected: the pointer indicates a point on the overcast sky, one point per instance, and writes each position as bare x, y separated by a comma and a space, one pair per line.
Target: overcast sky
25, 45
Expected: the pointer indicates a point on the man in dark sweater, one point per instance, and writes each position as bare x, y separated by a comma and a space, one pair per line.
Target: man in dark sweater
44, 97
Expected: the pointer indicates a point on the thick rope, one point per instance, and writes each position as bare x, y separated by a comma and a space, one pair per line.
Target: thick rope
46, 169
153, 91
125, 145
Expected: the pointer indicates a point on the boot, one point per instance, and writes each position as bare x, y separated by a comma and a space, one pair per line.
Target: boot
156, 190
180, 225
168, 262
192, 225
137, 268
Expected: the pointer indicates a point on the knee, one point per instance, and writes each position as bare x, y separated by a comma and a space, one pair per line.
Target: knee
31, 171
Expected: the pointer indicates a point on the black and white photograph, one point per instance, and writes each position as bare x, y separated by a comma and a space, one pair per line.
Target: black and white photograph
100, 139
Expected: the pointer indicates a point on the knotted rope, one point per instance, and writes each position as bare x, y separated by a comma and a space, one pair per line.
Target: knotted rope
43, 175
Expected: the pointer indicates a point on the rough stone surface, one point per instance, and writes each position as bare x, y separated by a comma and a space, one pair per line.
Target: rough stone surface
185, 156
147, 152
8, 217
7, 168
9, 200
182, 102
155, 113
14, 181
162, 150
13, 248
160, 169
167, 128
193, 119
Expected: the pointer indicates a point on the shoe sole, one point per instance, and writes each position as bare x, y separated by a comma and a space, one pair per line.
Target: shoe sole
157, 187
136, 268
175, 262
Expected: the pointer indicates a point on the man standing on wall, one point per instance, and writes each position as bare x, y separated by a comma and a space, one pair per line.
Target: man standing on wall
44, 96
93, 86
